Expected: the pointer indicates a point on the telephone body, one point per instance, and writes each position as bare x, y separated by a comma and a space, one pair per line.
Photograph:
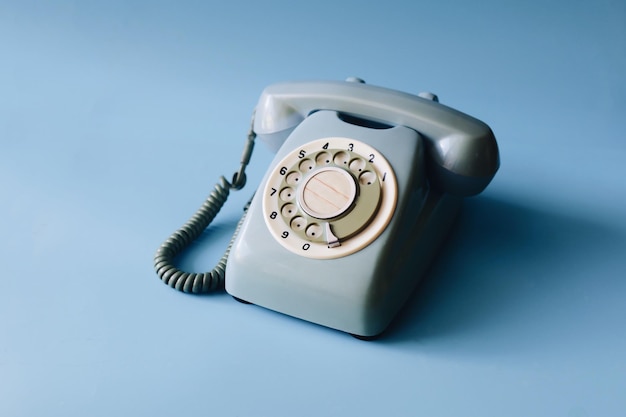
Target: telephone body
365, 184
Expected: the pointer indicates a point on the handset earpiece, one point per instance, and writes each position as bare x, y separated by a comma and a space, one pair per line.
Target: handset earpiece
462, 151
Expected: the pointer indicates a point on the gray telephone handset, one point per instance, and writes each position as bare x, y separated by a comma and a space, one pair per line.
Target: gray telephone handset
365, 184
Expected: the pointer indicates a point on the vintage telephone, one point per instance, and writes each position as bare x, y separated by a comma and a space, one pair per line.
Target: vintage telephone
365, 184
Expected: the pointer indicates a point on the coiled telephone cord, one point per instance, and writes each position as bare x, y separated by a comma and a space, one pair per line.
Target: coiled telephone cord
192, 282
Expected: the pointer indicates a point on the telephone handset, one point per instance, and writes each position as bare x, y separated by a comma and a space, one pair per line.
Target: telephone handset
462, 151
364, 186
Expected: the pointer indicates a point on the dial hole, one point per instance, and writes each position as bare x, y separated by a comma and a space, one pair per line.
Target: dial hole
289, 210
367, 178
342, 158
313, 230
306, 165
287, 194
298, 223
323, 158
357, 164
293, 178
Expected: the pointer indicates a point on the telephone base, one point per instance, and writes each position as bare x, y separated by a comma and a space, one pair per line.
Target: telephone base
361, 300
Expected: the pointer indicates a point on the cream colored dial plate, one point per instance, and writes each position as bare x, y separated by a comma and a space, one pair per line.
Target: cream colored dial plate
329, 198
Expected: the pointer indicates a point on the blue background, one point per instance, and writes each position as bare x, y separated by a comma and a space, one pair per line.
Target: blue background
116, 119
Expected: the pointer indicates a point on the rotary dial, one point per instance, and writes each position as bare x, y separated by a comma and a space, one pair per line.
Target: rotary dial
329, 198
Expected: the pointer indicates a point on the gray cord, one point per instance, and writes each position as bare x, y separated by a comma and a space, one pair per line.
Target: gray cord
190, 282
179, 240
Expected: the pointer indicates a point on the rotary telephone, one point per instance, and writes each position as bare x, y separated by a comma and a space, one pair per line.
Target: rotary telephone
364, 187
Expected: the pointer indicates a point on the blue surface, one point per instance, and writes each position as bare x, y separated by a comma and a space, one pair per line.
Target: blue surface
116, 118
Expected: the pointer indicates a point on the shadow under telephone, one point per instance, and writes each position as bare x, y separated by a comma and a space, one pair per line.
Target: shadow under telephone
363, 189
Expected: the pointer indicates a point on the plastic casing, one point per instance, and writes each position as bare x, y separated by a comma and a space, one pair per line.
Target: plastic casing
439, 155
358, 293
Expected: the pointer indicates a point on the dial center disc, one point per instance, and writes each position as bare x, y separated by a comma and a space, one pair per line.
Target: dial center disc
328, 193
